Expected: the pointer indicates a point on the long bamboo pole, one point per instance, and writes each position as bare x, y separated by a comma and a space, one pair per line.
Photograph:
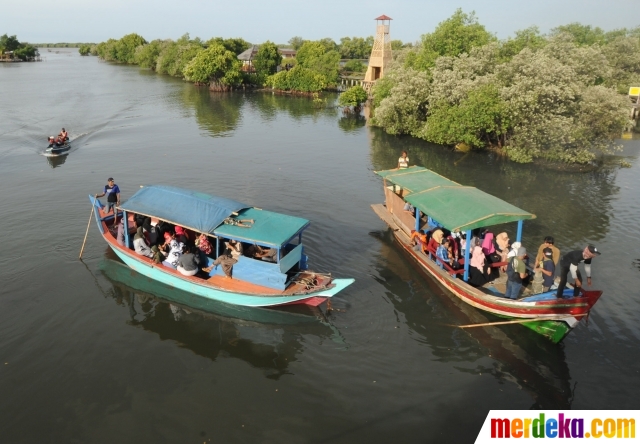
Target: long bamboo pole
517, 321
88, 225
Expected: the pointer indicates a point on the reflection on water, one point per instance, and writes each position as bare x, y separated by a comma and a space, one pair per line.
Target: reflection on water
217, 113
266, 339
269, 105
518, 355
352, 123
56, 161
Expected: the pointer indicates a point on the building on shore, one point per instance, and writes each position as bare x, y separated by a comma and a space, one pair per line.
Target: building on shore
249, 55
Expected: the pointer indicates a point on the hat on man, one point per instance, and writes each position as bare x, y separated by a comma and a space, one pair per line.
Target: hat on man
548, 252
594, 250
521, 252
110, 179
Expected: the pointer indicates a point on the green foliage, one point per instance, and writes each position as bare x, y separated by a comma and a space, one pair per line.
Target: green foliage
354, 66
235, 45
147, 55
533, 97
84, 49
397, 45
9, 43
356, 47
215, 65
23, 51
329, 44
122, 51
267, 60
354, 96
299, 79
582, 34
454, 36
296, 42
525, 38
175, 56
316, 57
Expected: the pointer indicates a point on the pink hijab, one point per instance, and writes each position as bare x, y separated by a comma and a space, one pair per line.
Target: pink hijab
487, 244
477, 259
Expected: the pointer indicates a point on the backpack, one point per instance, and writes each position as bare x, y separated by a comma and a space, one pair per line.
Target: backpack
511, 273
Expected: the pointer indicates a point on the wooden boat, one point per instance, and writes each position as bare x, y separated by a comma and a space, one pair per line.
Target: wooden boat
255, 283
461, 209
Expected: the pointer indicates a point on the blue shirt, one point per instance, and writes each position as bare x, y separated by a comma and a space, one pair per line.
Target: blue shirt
443, 254
111, 192
548, 265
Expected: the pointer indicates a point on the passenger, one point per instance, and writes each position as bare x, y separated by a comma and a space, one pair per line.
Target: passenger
188, 263
436, 239
203, 244
140, 244
513, 250
63, 136
547, 268
570, 262
227, 261
175, 250
403, 161
548, 243
269, 255
463, 244
479, 270
444, 254
409, 208
120, 233
502, 246
419, 240
516, 272
453, 245
489, 249
181, 236
235, 247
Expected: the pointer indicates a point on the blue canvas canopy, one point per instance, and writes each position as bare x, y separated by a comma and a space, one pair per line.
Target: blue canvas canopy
190, 209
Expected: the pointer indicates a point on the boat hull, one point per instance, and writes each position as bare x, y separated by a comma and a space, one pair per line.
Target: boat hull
201, 287
555, 318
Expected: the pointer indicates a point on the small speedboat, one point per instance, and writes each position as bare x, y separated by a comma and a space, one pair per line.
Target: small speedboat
58, 149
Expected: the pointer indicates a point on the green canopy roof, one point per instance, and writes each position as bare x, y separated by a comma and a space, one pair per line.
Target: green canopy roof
456, 207
269, 228
416, 179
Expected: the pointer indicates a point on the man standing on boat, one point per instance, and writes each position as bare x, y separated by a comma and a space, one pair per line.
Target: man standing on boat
113, 195
403, 161
569, 263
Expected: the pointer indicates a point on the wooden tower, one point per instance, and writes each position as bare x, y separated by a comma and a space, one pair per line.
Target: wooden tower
380, 53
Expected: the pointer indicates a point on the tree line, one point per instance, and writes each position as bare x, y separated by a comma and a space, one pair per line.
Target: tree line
558, 97
23, 51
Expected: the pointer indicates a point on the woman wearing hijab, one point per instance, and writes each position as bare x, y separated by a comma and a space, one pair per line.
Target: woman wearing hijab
140, 244
436, 239
479, 271
489, 251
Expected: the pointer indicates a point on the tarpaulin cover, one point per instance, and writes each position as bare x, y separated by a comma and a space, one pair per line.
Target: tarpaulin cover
269, 228
190, 209
415, 179
460, 208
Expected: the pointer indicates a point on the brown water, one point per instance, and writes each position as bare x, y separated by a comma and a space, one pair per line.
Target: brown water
91, 352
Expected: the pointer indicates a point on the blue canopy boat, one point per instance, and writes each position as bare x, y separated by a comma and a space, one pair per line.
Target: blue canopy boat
255, 283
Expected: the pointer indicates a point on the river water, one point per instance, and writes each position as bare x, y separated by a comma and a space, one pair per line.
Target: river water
91, 352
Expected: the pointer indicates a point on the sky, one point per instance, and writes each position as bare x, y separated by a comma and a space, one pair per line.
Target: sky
279, 20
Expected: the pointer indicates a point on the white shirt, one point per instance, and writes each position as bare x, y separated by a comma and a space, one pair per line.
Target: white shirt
403, 162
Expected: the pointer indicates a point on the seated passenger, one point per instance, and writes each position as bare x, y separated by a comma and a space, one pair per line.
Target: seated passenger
140, 244
408, 207
479, 270
436, 239
235, 247
175, 250
502, 246
188, 262
442, 253
419, 240
181, 236
227, 262
269, 255
63, 136
203, 244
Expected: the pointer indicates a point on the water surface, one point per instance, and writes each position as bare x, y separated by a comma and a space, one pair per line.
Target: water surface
91, 352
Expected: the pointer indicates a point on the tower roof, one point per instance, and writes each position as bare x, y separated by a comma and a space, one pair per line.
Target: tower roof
383, 17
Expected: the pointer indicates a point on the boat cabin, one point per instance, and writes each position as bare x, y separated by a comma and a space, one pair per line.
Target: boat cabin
222, 220
439, 202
